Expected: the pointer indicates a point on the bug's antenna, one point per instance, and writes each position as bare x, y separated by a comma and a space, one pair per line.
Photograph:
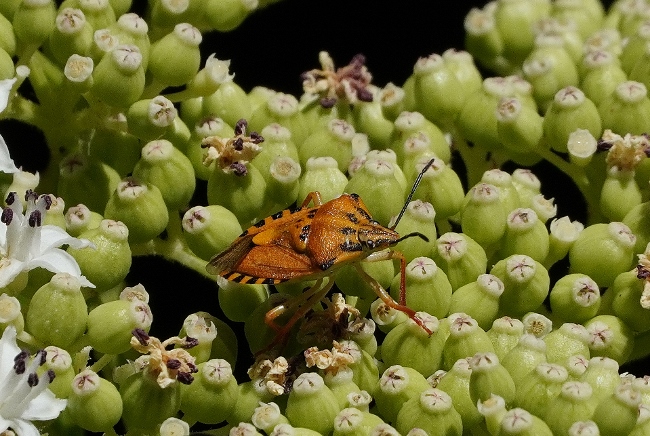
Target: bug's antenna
415, 186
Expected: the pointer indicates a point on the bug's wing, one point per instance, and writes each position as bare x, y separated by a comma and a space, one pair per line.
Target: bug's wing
277, 262
228, 259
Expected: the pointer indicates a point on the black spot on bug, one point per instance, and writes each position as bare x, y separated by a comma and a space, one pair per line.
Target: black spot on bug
260, 223
327, 264
352, 218
277, 215
363, 213
355, 197
347, 231
304, 233
312, 213
350, 246
269, 281
244, 233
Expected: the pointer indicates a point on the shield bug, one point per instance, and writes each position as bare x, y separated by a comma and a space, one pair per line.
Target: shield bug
313, 242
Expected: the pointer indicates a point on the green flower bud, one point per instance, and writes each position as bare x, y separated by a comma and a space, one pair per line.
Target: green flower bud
519, 127
635, 47
392, 100
574, 403
581, 147
72, 35
364, 367
455, 382
277, 143
465, 339
322, 175
525, 234
175, 59
224, 16
34, 21
504, 183
483, 216
249, 396
563, 233
259, 95
113, 145
99, 14
628, 304
489, 378
602, 375
54, 215
409, 123
169, 170
620, 194
529, 352
626, 109
410, 346
110, 324
109, 261
59, 361
341, 384
610, 337
118, 79
493, 410
149, 119
520, 422
282, 184
86, 180
439, 95
569, 340
57, 312
267, 416
146, 404
601, 74
212, 396
243, 194
352, 283
141, 207
461, 63
483, 39
540, 389
79, 219
603, 251
418, 217
283, 109
575, 298
10, 313
479, 299
352, 421
397, 385
638, 220
460, 257
334, 140
526, 283
362, 332
570, 110
504, 334
200, 327
385, 317
131, 28
433, 412
440, 186
210, 230
238, 300
94, 403
369, 118
514, 21
427, 287
617, 413
7, 36
311, 404
229, 103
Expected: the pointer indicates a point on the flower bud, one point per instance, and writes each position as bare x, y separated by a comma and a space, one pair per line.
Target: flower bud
141, 207
364, 367
620, 194
212, 396
73, 34
410, 346
525, 234
628, 289
526, 283
529, 352
277, 143
110, 325
369, 118
601, 74
397, 385
617, 413
460, 257
626, 109
483, 217
283, 109
334, 140
427, 287
149, 119
465, 339
575, 298
33, 21
86, 180
610, 337
341, 384
489, 378
94, 403
519, 127
569, 340
483, 39
229, 103
521, 422
440, 186
209, 230
352, 283
479, 299
540, 389
108, 263
311, 404
10, 313
146, 404
418, 217
432, 411
322, 175
243, 194
59, 361
57, 312
603, 251
224, 16
118, 79
413, 126
574, 403
504, 334
514, 21
638, 220
455, 382
175, 59
563, 233
169, 170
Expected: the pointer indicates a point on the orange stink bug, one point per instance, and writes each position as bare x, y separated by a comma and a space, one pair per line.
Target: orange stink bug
313, 242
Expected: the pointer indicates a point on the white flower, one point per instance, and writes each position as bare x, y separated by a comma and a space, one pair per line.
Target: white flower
7, 164
5, 89
26, 244
24, 396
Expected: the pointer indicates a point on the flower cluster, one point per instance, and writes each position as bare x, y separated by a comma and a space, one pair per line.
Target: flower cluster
377, 286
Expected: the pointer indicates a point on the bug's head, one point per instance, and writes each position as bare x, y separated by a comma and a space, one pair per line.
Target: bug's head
377, 237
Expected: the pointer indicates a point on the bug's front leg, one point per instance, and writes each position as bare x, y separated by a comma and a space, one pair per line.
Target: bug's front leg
381, 292
314, 197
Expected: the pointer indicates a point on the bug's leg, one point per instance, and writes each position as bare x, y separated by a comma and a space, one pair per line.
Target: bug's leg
314, 197
289, 305
385, 296
307, 301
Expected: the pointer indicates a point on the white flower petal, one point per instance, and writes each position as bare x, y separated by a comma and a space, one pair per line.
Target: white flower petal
5, 88
8, 350
4, 424
7, 164
24, 428
54, 236
9, 270
3, 238
58, 261
45, 406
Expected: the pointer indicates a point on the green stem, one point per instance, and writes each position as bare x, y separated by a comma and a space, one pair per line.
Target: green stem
102, 362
